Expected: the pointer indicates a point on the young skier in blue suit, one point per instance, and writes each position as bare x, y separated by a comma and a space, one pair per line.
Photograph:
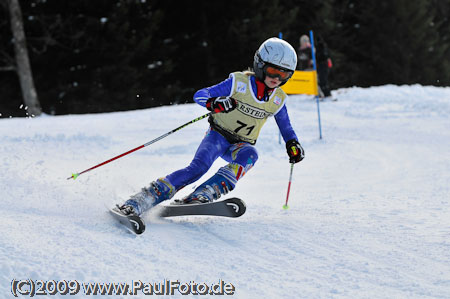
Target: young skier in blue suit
241, 105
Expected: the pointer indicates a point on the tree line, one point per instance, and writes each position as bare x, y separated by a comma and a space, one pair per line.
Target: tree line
110, 55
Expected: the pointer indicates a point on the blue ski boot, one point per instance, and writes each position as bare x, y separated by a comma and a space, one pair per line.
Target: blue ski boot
210, 190
157, 192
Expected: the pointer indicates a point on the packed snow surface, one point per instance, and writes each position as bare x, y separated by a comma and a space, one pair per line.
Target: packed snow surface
369, 209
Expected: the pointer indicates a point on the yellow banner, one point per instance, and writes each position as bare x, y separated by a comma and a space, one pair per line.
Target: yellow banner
302, 82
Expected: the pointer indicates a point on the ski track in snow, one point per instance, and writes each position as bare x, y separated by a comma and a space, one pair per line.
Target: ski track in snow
368, 217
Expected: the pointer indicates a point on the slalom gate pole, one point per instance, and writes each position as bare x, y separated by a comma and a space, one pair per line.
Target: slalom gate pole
75, 175
313, 51
285, 206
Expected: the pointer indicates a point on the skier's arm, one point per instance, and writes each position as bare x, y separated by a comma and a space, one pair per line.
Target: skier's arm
294, 149
218, 90
284, 124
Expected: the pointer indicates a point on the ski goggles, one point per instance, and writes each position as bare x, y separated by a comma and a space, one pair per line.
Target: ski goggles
274, 72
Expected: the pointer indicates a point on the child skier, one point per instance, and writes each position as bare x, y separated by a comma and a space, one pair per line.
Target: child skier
241, 105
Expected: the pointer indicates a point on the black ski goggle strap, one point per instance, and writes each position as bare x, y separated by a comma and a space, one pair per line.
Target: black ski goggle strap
275, 72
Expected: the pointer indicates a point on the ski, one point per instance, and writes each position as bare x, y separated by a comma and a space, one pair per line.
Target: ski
231, 207
133, 223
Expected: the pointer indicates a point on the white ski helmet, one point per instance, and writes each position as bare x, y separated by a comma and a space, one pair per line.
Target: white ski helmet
274, 52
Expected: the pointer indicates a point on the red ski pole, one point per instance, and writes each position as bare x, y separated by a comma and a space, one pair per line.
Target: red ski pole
75, 175
285, 206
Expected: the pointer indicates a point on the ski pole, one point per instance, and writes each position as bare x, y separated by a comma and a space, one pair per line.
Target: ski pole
75, 175
285, 206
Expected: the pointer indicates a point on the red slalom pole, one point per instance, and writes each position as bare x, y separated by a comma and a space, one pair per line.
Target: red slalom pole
75, 175
285, 206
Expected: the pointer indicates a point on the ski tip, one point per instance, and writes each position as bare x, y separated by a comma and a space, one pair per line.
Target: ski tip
137, 225
237, 206
133, 223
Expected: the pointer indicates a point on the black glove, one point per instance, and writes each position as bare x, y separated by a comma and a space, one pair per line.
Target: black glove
295, 151
221, 104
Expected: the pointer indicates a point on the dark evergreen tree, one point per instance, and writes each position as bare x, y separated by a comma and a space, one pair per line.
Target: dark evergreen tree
442, 23
391, 42
99, 55
94, 56
214, 38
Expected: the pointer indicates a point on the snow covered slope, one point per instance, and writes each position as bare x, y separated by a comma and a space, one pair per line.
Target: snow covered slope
369, 209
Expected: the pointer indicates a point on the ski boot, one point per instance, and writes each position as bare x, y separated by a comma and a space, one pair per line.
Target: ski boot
157, 192
210, 190
126, 210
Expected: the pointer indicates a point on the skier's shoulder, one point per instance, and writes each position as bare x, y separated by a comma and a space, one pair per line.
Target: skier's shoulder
241, 75
281, 92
